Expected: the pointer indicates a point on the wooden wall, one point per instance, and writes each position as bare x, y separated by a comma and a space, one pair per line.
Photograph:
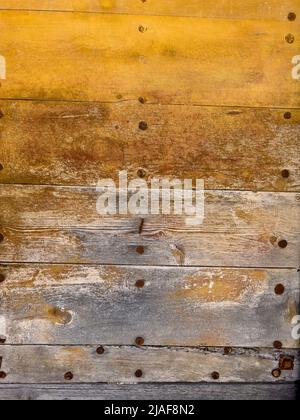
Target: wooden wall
172, 88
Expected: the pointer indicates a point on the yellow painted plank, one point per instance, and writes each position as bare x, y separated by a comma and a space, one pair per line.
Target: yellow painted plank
83, 56
247, 9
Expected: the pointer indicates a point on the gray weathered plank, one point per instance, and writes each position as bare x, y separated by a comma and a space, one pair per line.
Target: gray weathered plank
61, 225
160, 392
49, 364
59, 304
79, 143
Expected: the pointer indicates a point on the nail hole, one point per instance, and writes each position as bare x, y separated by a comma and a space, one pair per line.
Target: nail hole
139, 341
290, 38
143, 126
140, 284
279, 289
142, 100
1, 114
227, 350
292, 16
2, 278
215, 376
283, 244
100, 350
139, 373
142, 29
141, 173
69, 376
1, 237
1, 167
140, 250
276, 373
277, 345
2, 375
2, 340
285, 173
288, 115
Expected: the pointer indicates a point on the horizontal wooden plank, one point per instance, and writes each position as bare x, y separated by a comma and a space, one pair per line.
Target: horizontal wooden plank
79, 143
44, 364
248, 9
82, 56
61, 224
60, 304
160, 392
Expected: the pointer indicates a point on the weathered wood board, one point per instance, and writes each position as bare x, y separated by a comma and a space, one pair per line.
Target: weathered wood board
83, 56
173, 88
58, 304
247, 9
61, 224
69, 143
146, 391
50, 364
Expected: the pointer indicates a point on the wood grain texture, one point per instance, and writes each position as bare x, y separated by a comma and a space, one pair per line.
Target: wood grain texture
61, 224
44, 364
160, 392
248, 9
79, 143
60, 304
82, 56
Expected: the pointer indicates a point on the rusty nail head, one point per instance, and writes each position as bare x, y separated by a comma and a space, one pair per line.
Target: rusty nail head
69, 376
286, 362
288, 115
285, 173
277, 345
139, 373
2, 375
290, 38
140, 250
141, 173
276, 373
140, 284
279, 289
283, 244
100, 350
2, 278
215, 376
143, 125
142, 100
139, 341
292, 16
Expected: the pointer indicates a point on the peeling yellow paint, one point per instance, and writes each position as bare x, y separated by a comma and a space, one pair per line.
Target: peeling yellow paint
227, 286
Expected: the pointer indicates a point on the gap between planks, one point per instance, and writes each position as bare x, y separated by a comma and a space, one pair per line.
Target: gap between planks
148, 103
